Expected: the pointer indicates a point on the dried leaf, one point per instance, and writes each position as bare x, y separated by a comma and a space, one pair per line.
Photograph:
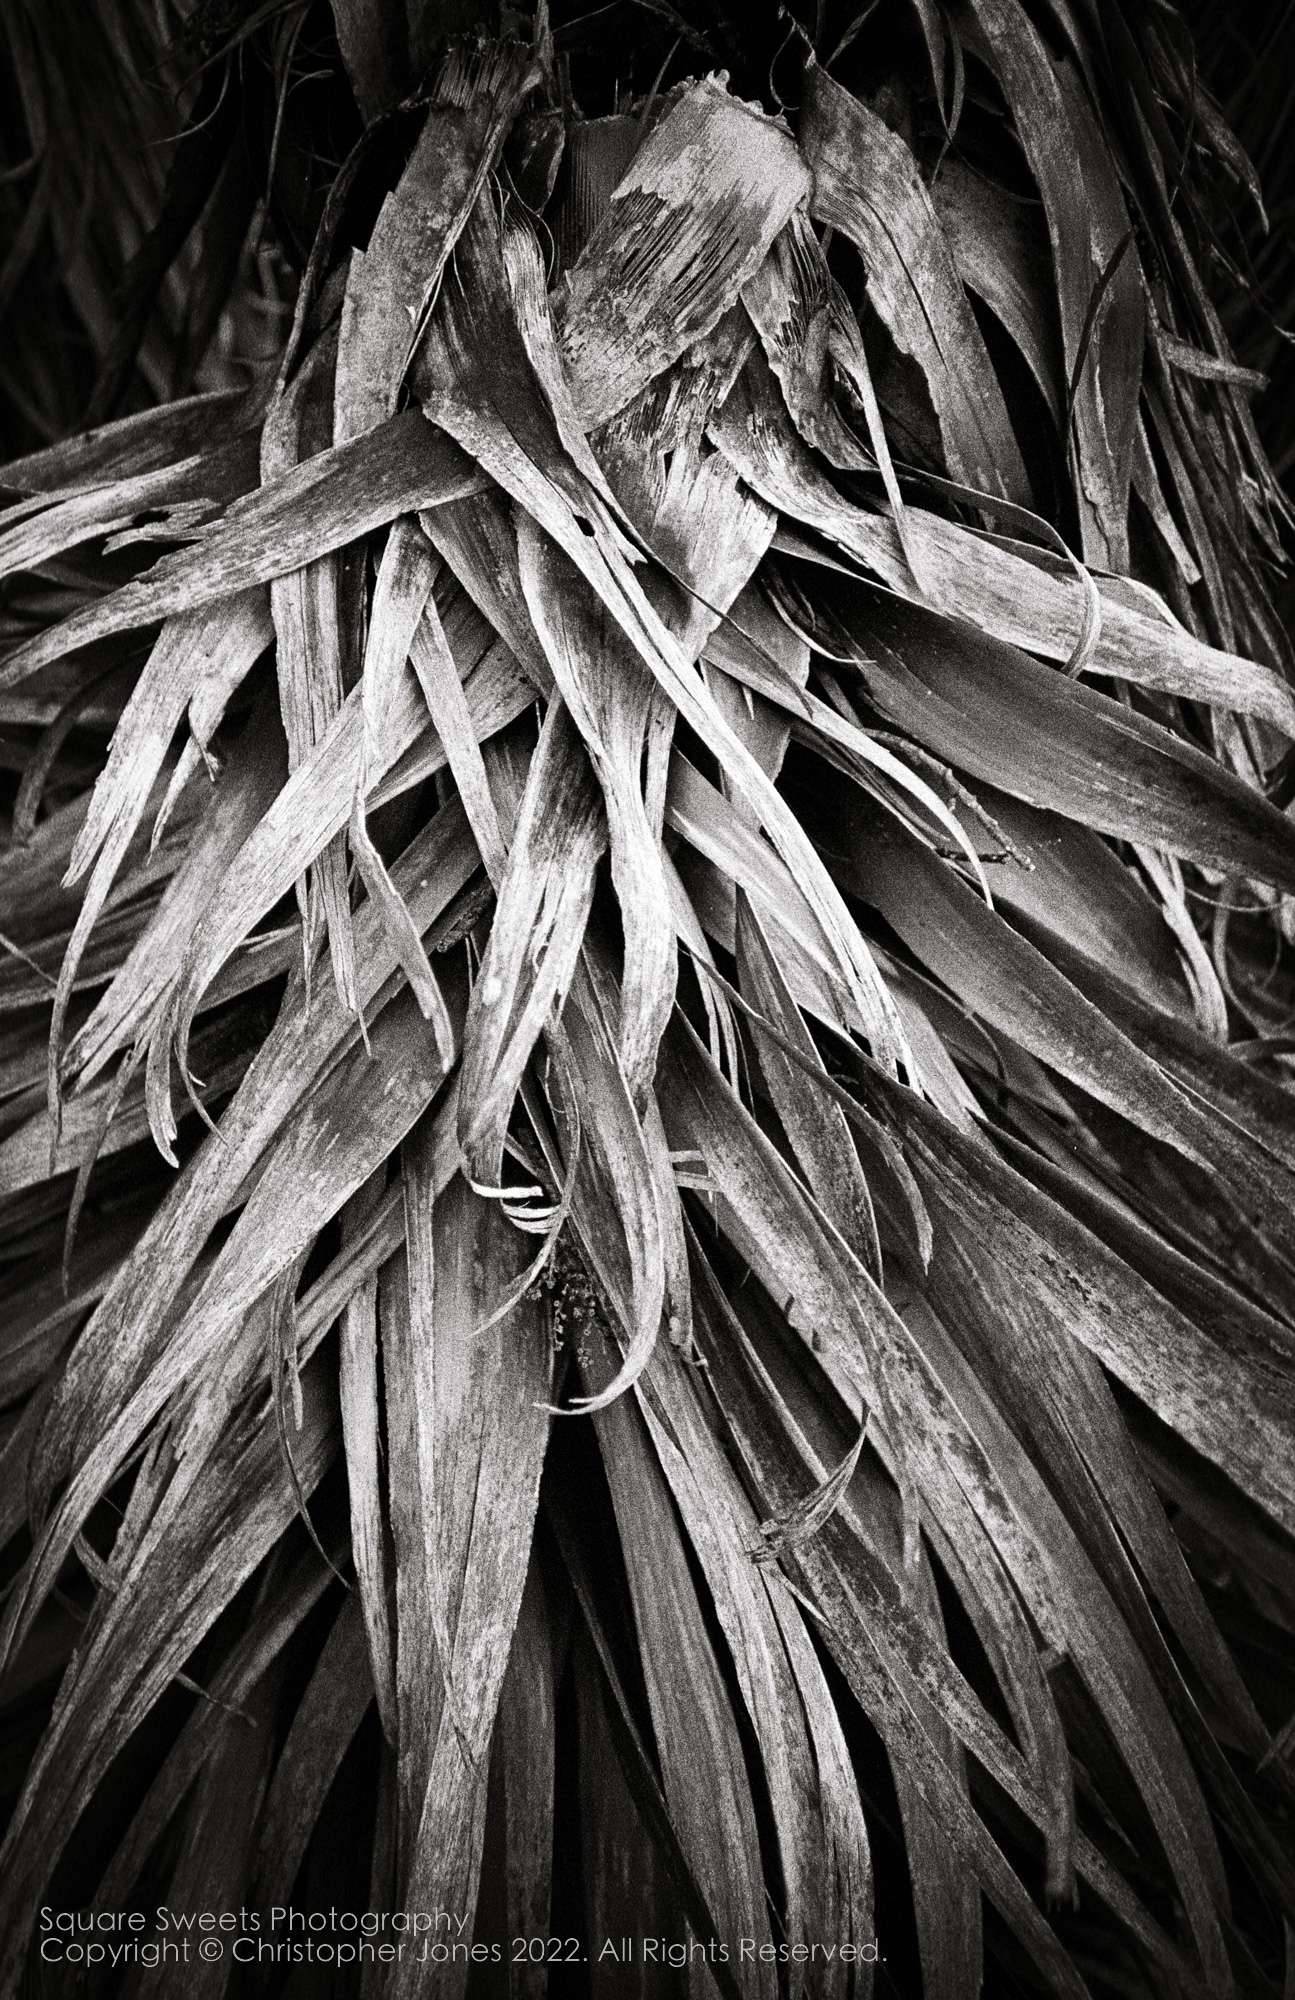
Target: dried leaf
108, 1365
538, 928
212, 1866
700, 203
479, 350
184, 651
481, 1445
818, 1132
1001, 251
312, 806
129, 447
867, 185
326, 1153
1017, 593
702, 1770
328, 1715
370, 38
329, 500
198, 484
615, 704
522, 1751
822, 1839
1087, 222
439, 678
391, 287
252, 776
279, 1610
1051, 736
308, 652
187, 1567
616, 1206
402, 933
358, 1388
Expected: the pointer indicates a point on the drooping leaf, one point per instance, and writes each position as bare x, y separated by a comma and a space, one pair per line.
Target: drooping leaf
330, 500
391, 286
301, 1048
329, 1713
819, 1134
323, 1157
663, 266
358, 1393
308, 624
546, 483
1002, 256
1032, 603
867, 185
615, 704
538, 928
481, 1445
186, 1567
691, 1717
522, 1773
1051, 736
1089, 229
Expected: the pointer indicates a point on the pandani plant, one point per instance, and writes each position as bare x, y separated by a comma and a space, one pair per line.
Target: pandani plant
647, 1166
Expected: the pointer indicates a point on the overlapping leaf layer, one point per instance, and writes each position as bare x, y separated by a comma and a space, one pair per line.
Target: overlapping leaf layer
661, 1044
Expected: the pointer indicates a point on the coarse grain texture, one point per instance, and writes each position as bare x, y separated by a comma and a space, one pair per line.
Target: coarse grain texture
646, 996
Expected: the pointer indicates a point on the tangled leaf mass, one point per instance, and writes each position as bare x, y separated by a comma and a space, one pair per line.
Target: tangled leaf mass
647, 1175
